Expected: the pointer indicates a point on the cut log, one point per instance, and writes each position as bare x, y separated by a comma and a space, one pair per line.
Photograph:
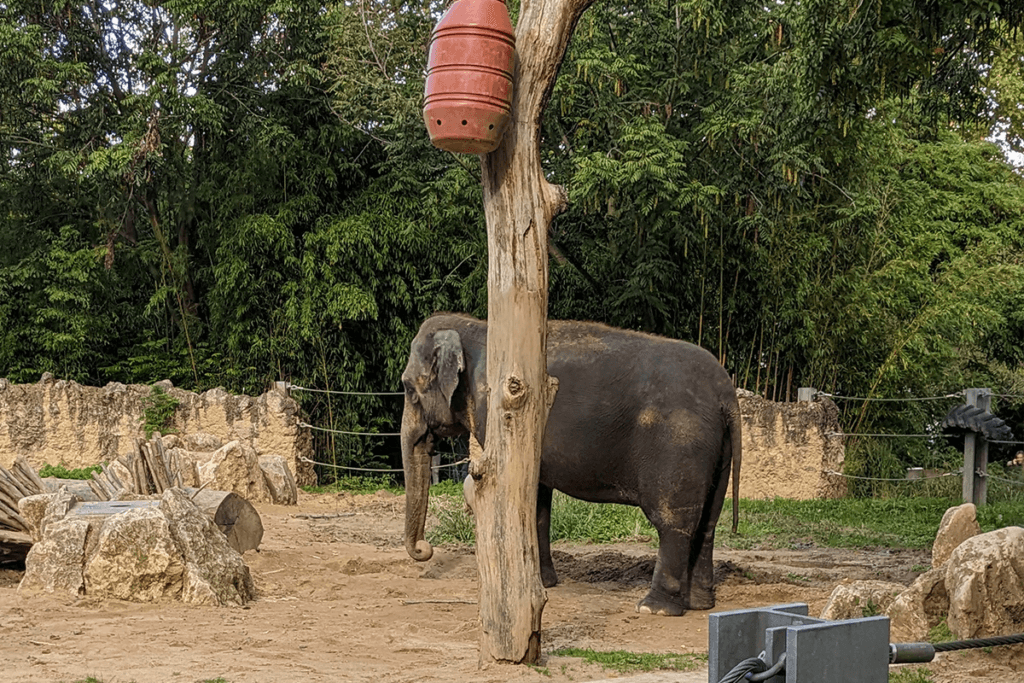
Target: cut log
14, 484
232, 514
14, 546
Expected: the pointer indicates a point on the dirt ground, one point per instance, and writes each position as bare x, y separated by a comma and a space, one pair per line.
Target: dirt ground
339, 600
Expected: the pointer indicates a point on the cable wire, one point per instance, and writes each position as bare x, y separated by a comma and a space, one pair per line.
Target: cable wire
901, 436
854, 476
374, 469
955, 645
957, 394
739, 672
339, 431
296, 387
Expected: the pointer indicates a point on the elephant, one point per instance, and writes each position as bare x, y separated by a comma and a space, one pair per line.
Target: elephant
637, 419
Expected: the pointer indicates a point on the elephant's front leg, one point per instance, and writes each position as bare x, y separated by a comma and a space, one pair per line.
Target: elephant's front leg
670, 587
548, 577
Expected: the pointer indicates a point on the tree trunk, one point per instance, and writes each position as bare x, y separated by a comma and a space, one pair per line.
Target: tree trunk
519, 205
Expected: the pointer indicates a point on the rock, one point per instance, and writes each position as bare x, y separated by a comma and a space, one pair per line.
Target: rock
279, 480
166, 550
985, 580
958, 524
135, 558
55, 564
215, 573
857, 599
919, 608
33, 509
200, 441
57, 508
172, 441
233, 467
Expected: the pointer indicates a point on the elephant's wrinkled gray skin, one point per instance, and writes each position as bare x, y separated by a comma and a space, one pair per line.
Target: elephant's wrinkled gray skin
637, 419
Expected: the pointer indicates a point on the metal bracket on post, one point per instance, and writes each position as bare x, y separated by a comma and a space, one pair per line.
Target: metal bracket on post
850, 651
806, 394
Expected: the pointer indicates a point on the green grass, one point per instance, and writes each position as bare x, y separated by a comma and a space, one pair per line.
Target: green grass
940, 633
62, 472
358, 485
917, 675
625, 662
779, 523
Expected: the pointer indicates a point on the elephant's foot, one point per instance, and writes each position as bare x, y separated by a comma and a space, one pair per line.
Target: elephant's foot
660, 604
548, 577
700, 599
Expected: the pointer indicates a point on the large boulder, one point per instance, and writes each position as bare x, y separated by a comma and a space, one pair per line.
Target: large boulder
958, 524
919, 608
167, 550
233, 467
985, 580
857, 599
279, 480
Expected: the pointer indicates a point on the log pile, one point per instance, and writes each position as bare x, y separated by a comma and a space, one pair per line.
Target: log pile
16, 483
148, 469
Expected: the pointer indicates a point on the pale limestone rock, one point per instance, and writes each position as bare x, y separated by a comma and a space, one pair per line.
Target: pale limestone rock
857, 599
172, 441
57, 508
279, 480
958, 524
32, 509
919, 608
985, 580
54, 564
234, 467
215, 573
135, 558
201, 441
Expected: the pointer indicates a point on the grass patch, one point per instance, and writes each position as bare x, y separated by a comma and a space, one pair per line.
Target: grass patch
940, 633
850, 522
778, 523
62, 472
916, 675
625, 662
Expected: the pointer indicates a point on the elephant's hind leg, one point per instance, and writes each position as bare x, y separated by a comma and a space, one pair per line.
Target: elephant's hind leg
670, 587
702, 589
548, 577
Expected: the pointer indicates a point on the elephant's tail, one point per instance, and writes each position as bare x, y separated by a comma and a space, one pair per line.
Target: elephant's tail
736, 446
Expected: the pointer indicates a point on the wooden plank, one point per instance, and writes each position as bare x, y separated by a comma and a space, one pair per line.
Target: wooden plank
30, 472
25, 480
163, 461
101, 481
154, 468
97, 489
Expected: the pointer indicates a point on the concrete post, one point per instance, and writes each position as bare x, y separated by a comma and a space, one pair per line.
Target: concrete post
975, 488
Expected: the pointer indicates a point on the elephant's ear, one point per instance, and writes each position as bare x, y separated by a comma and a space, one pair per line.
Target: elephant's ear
448, 362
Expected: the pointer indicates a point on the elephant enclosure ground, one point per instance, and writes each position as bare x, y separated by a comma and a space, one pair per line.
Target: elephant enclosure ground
339, 600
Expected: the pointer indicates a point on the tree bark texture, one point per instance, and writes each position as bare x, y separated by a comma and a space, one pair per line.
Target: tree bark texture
519, 205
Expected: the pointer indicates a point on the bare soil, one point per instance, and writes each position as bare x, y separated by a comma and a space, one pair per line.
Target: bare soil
339, 600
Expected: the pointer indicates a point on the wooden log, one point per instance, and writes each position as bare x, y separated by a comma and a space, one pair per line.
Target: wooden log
13, 482
164, 461
233, 515
14, 546
101, 481
23, 479
112, 478
23, 463
97, 489
155, 468
12, 519
9, 495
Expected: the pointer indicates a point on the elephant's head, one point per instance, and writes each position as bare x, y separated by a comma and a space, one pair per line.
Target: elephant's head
430, 379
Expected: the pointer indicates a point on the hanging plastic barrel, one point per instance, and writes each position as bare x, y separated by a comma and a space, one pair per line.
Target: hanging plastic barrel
468, 94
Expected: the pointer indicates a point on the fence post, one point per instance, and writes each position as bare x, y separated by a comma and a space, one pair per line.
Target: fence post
975, 487
806, 394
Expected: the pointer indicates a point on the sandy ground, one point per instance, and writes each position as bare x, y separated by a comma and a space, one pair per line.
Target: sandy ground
339, 600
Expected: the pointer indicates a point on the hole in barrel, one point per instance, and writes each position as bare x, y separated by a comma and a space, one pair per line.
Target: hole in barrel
464, 122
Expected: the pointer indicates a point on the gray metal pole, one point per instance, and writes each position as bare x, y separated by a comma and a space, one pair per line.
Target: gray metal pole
975, 488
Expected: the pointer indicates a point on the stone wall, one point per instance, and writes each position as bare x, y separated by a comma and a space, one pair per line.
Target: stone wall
788, 448
60, 422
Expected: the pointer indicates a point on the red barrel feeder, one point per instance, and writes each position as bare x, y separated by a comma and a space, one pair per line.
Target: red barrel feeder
468, 95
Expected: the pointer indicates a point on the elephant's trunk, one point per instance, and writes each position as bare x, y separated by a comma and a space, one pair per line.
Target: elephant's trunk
416, 462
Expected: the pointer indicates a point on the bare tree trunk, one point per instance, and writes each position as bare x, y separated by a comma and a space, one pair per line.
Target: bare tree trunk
519, 204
